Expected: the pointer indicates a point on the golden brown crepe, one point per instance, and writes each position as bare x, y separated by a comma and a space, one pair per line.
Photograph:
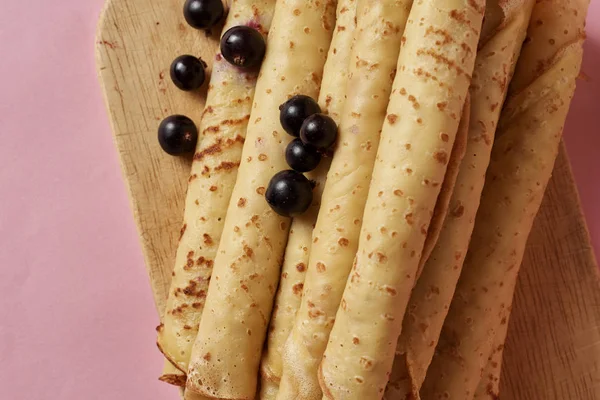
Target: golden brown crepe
372, 66
214, 170
522, 159
227, 350
427, 101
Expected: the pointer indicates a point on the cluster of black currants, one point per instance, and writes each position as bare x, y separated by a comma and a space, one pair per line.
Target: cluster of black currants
241, 46
289, 192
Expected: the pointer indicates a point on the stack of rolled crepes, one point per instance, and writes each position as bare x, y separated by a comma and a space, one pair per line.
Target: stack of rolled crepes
503, 33
398, 281
214, 170
332, 97
528, 138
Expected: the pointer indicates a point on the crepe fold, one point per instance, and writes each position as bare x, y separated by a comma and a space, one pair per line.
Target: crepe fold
380, 25
489, 386
431, 297
289, 294
522, 160
213, 174
227, 350
426, 104
443, 201
172, 375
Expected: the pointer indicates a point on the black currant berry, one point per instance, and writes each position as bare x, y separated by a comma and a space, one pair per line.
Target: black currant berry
319, 130
187, 72
302, 157
243, 47
177, 134
293, 112
203, 14
289, 193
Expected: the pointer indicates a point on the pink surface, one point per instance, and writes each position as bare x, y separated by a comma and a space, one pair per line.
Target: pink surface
76, 313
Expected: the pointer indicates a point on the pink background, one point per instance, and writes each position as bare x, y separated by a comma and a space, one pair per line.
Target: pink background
76, 312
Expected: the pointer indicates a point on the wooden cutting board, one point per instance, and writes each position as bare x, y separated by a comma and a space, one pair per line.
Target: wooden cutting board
553, 349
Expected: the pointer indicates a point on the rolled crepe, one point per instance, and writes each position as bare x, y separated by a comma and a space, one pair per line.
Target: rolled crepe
431, 297
214, 170
332, 95
331, 99
522, 159
372, 66
429, 92
227, 350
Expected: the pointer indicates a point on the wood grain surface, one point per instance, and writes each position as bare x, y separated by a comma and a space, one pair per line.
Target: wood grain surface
553, 347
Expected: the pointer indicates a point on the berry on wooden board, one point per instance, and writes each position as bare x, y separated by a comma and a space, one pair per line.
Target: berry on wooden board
203, 14
177, 134
187, 72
